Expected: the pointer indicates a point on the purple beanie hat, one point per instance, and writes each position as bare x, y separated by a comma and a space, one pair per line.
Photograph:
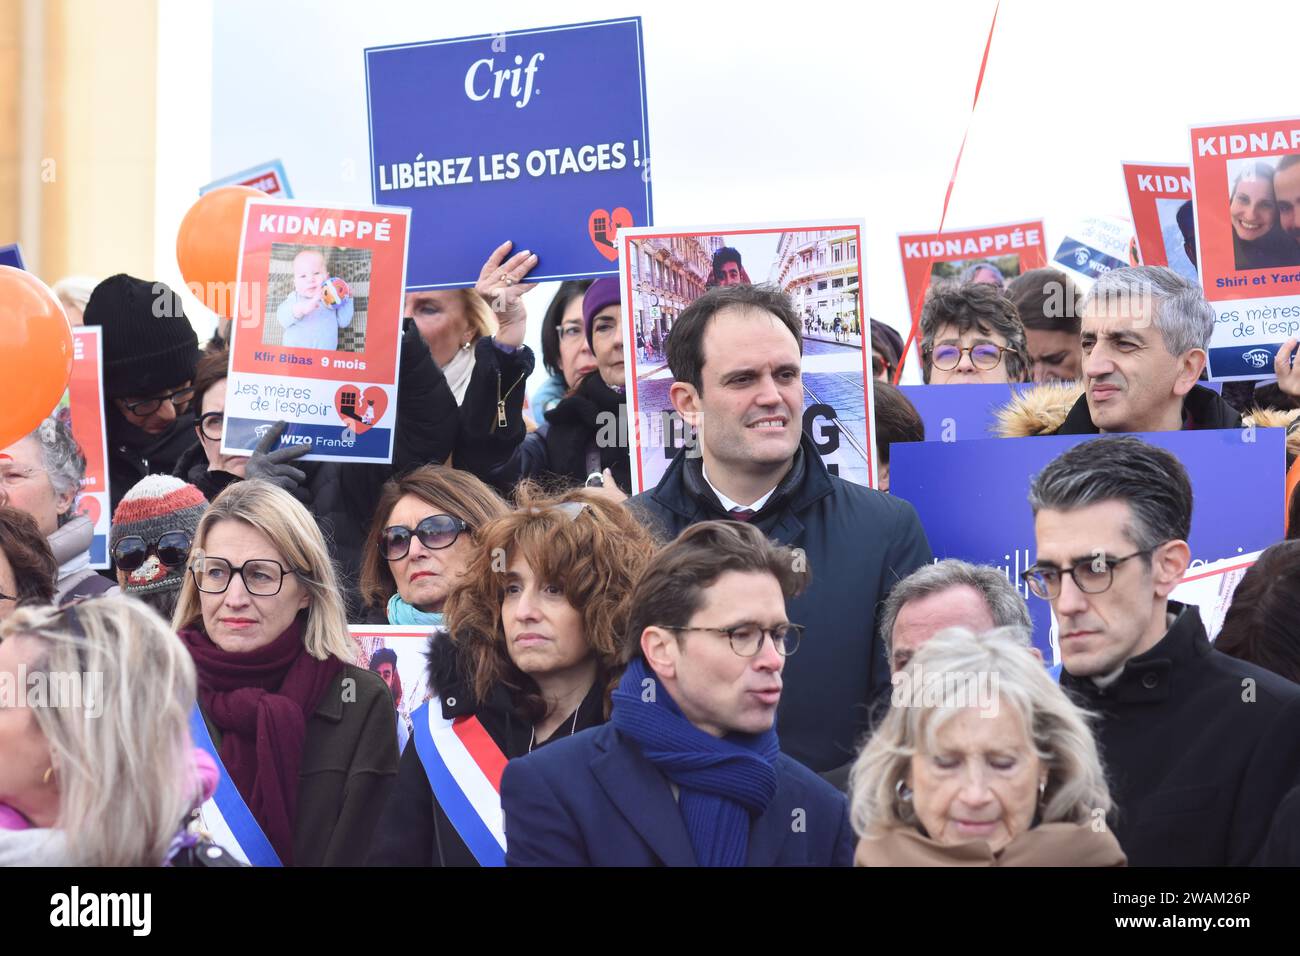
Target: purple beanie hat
601, 293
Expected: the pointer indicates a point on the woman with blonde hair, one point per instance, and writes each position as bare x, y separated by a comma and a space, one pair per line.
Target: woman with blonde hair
96, 763
307, 738
982, 760
530, 656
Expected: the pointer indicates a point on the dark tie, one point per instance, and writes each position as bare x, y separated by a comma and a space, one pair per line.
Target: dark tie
741, 514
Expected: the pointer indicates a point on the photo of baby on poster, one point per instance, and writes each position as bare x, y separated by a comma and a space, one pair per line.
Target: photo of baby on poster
817, 264
319, 297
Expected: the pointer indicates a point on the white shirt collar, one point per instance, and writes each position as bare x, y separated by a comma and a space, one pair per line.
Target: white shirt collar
733, 505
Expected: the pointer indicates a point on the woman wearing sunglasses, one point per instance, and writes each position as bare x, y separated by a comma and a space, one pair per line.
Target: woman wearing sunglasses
421, 541
152, 529
529, 657
306, 738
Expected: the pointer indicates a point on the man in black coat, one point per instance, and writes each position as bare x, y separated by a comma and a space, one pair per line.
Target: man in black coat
149, 353
735, 354
1200, 748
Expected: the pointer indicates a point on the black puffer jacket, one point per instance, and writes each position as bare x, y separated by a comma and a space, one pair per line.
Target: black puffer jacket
414, 830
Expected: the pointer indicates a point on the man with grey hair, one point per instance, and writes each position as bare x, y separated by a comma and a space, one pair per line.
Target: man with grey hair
1145, 331
948, 593
1200, 747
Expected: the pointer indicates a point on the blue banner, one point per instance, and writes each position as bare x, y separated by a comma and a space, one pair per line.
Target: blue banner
1085, 259
11, 255
333, 441
973, 497
537, 136
959, 412
1251, 361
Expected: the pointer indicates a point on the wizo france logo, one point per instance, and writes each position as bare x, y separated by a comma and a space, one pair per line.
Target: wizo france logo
1258, 358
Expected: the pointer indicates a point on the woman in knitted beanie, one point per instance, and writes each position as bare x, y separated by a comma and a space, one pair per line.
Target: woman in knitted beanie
153, 527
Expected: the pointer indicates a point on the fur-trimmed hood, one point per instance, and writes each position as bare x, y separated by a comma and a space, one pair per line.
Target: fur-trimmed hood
1040, 410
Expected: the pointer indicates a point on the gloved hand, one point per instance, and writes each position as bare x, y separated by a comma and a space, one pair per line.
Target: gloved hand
273, 466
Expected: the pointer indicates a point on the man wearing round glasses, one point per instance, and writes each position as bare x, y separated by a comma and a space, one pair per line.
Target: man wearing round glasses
688, 771
1200, 747
971, 335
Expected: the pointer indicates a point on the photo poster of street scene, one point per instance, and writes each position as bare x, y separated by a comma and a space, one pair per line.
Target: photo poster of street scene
818, 263
398, 656
992, 254
1160, 201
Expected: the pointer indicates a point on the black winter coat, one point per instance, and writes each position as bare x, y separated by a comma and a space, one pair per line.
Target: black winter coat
414, 830
1202, 408
565, 449
857, 543
1200, 749
499, 378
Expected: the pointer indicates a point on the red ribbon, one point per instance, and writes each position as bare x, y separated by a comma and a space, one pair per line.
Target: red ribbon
947, 197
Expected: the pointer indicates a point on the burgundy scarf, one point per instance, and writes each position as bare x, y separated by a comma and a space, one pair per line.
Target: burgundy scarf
260, 701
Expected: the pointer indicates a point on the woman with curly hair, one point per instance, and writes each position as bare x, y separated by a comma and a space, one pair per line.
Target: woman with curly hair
530, 656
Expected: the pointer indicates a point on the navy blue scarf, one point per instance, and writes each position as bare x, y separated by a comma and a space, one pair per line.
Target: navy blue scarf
725, 782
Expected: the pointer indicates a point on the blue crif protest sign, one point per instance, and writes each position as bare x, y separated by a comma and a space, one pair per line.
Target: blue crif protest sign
973, 498
536, 136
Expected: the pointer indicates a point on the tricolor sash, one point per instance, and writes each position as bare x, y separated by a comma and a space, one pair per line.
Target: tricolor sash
464, 766
225, 816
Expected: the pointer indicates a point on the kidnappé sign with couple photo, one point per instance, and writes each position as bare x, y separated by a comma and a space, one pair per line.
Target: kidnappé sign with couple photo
536, 136
319, 306
1246, 185
818, 264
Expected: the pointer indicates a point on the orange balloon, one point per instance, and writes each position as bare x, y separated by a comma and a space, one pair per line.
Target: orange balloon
207, 246
35, 353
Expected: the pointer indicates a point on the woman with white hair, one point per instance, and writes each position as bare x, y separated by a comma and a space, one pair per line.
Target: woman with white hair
307, 739
41, 475
982, 760
115, 790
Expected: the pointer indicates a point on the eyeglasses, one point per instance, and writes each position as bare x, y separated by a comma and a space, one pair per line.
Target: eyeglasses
147, 406
1092, 577
570, 332
984, 356
211, 424
172, 548
747, 639
879, 366
262, 577
435, 533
